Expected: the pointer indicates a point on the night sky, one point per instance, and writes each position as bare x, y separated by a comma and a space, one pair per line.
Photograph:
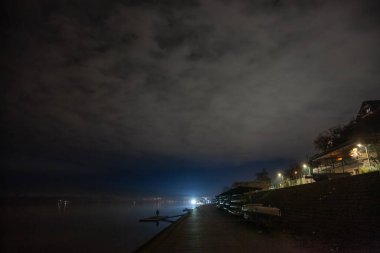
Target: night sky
175, 97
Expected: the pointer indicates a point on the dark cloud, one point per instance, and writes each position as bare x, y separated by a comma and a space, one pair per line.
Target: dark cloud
222, 80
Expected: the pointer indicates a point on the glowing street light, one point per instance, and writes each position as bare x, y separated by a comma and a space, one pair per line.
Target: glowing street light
366, 151
193, 201
306, 167
281, 177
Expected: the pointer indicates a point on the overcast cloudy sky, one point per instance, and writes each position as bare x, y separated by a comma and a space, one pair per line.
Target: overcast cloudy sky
112, 91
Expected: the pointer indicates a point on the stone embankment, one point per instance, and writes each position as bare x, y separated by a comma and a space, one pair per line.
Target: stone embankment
344, 210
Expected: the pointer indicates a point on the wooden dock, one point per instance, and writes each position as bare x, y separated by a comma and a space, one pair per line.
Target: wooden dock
208, 229
154, 219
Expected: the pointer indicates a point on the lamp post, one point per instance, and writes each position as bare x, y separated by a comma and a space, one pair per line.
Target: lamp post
295, 175
306, 167
281, 177
366, 151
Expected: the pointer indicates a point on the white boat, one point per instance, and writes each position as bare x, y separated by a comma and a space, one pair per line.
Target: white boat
260, 209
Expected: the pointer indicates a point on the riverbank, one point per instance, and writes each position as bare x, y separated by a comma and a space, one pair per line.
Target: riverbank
344, 212
163, 234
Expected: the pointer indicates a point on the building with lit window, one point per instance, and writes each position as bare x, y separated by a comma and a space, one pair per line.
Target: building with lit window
360, 151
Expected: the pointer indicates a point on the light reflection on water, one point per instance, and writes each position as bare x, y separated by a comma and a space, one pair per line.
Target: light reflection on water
74, 227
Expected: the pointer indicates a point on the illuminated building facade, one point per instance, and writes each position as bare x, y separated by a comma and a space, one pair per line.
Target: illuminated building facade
360, 152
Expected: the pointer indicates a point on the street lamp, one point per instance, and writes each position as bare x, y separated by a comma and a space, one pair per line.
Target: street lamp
306, 167
295, 176
281, 177
366, 151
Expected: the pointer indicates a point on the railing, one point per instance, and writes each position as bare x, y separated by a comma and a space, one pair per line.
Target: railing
292, 182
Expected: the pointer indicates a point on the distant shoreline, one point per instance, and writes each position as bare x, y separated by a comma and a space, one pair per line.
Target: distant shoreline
20, 200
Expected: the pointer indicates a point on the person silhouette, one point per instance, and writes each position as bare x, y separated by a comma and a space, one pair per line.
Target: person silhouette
157, 212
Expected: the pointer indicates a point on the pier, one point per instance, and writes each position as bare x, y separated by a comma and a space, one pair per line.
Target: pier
208, 229
340, 215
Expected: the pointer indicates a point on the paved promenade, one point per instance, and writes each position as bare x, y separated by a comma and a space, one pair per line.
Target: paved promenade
209, 229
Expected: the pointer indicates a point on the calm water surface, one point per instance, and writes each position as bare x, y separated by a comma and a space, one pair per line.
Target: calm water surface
91, 227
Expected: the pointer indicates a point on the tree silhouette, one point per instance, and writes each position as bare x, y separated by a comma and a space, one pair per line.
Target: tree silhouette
262, 175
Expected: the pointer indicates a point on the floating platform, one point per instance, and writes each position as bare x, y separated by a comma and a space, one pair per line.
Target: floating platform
154, 219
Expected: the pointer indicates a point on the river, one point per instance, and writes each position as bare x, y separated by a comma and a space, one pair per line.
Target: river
82, 227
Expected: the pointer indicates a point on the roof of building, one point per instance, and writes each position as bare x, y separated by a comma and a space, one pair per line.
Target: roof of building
238, 190
364, 121
373, 105
334, 151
